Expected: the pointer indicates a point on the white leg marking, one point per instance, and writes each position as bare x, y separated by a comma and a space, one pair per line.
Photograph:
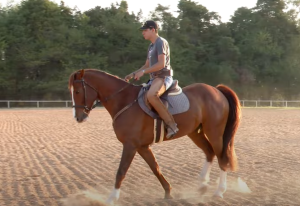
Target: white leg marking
204, 177
72, 91
222, 184
114, 196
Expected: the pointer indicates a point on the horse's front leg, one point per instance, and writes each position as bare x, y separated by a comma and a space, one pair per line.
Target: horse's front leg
129, 151
148, 156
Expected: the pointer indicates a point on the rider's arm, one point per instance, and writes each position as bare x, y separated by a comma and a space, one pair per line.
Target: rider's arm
146, 65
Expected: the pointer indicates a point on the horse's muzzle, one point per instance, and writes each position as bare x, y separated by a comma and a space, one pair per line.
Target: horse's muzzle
82, 118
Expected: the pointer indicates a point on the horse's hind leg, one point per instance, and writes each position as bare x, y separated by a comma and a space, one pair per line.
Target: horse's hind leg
147, 154
215, 137
201, 141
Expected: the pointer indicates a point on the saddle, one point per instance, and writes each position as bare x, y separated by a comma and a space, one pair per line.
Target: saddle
173, 90
173, 98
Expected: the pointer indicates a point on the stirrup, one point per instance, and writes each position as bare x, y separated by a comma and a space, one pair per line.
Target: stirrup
168, 136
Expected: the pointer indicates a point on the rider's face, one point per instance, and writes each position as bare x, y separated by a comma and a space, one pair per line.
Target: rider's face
148, 33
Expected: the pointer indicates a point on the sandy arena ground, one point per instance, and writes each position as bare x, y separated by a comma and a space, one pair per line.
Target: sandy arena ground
46, 157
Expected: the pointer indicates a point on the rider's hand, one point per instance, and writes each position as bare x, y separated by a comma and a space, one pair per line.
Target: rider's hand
129, 76
138, 75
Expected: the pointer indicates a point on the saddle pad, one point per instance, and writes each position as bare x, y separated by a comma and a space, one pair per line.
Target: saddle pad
177, 103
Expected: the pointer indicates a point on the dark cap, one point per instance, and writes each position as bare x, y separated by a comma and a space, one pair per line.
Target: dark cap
150, 24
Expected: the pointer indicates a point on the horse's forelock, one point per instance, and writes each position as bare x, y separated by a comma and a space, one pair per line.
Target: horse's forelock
71, 80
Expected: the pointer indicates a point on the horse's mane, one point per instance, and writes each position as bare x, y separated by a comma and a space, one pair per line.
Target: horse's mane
72, 76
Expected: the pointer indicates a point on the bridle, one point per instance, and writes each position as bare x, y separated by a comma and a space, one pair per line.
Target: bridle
86, 109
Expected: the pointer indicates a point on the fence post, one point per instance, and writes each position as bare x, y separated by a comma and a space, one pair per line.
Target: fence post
285, 103
256, 103
38, 104
8, 104
66, 103
271, 103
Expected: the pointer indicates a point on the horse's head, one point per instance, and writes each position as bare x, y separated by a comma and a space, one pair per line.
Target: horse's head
83, 96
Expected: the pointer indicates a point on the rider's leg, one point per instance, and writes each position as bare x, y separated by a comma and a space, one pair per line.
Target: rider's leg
156, 90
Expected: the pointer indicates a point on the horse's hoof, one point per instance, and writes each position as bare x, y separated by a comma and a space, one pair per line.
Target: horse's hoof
109, 202
168, 197
218, 194
114, 196
203, 188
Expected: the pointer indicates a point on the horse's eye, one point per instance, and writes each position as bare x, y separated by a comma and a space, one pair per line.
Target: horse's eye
77, 92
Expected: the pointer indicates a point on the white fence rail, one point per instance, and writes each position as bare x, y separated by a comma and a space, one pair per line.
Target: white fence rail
66, 103
269, 103
34, 103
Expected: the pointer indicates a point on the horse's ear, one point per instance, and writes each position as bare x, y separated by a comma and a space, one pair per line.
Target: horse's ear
81, 73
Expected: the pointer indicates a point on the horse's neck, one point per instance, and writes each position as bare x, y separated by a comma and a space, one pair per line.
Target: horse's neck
109, 87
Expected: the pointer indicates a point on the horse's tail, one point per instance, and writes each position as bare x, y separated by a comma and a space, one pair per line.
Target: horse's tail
228, 157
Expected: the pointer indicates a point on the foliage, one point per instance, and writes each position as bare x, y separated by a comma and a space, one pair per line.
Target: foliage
256, 52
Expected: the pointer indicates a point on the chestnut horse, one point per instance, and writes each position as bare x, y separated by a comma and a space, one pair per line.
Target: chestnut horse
210, 122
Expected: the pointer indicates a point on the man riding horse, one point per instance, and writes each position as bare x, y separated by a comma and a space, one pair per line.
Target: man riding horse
158, 66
